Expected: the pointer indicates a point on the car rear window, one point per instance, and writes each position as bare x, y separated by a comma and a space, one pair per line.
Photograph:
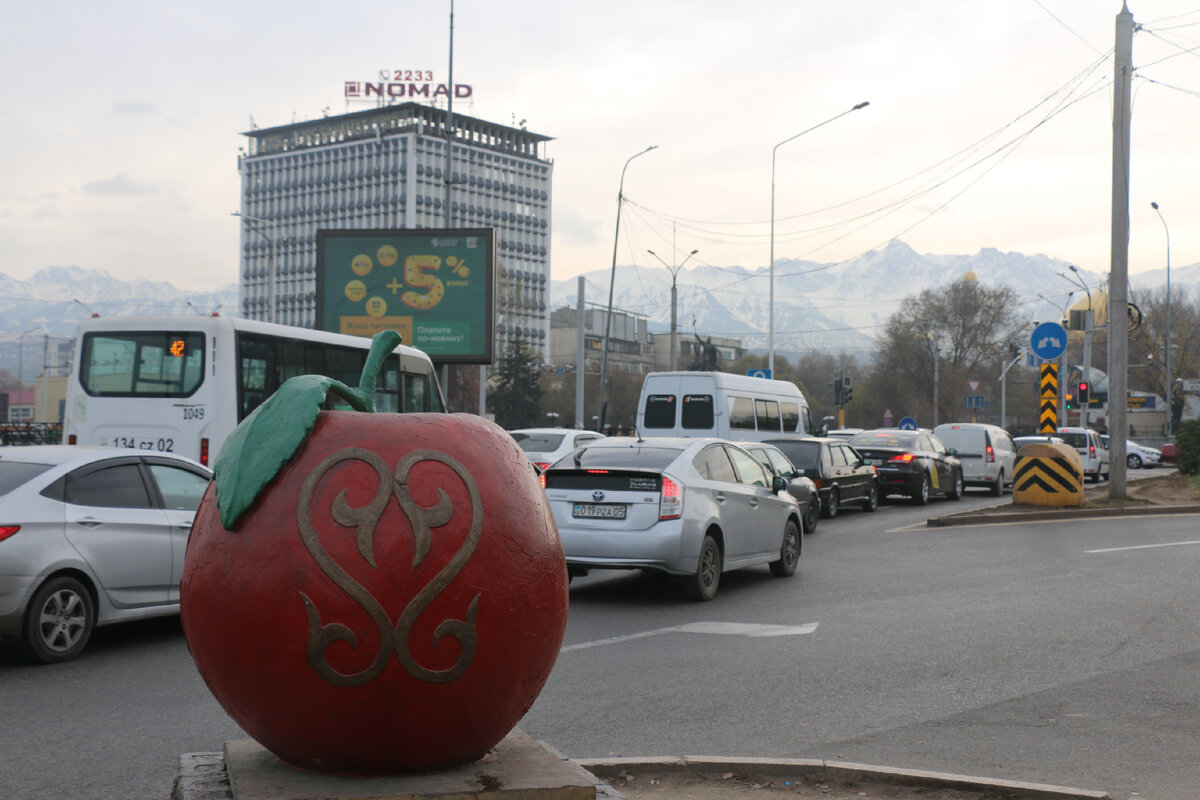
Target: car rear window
15, 473
697, 411
619, 458
1076, 440
539, 442
804, 455
659, 411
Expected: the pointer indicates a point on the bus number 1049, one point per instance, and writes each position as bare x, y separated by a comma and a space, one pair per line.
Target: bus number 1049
193, 412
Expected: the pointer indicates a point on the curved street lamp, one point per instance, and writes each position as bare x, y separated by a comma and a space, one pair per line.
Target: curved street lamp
674, 327
611, 282
771, 301
1167, 359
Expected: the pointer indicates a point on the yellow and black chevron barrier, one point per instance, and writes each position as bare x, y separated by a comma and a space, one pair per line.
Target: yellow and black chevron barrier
1049, 417
1049, 474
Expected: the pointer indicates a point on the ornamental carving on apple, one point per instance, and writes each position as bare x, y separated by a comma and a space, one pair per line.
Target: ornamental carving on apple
371, 593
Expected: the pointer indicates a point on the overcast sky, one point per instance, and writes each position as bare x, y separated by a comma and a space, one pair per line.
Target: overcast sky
989, 124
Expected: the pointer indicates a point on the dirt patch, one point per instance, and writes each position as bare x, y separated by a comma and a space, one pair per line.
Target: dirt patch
737, 786
1166, 490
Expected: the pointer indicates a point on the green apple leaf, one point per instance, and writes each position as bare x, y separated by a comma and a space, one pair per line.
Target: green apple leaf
265, 441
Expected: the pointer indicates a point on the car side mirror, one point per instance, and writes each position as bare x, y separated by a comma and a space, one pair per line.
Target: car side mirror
778, 484
951, 451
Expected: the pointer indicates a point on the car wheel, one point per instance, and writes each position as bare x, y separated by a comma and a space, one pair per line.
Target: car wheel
1134, 461
921, 495
1095, 477
872, 501
832, 504
997, 488
956, 488
812, 513
789, 552
703, 585
59, 621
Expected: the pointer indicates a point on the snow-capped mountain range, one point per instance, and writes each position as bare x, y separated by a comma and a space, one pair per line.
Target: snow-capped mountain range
838, 308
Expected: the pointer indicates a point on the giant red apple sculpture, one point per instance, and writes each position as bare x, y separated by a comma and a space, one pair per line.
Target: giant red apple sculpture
372, 593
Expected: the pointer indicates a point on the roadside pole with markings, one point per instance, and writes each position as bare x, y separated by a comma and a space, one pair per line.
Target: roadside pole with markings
1049, 341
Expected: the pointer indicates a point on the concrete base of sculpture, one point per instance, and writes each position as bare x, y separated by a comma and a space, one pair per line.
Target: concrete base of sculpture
518, 768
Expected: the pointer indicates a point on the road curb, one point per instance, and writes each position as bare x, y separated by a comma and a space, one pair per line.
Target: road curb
839, 771
984, 518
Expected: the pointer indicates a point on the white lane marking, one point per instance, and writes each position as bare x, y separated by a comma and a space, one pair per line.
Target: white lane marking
1140, 547
718, 628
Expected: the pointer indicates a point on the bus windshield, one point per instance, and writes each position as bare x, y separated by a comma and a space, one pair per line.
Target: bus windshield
142, 364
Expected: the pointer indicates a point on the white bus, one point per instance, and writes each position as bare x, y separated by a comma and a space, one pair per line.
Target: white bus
182, 384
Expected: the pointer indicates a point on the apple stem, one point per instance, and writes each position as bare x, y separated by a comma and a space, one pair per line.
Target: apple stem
382, 345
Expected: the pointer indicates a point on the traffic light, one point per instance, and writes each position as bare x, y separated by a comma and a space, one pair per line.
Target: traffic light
847, 394
533, 379
836, 383
1069, 398
1082, 394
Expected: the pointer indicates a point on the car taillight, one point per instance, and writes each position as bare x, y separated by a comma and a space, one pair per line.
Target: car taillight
991, 455
204, 451
542, 480
7, 531
1091, 451
71, 439
670, 500
903, 458
541, 464
817, 482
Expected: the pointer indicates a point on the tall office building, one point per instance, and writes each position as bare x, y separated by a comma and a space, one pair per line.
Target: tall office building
386, 168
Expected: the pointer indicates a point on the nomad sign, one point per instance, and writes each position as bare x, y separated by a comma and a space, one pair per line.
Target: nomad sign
433, 286
394, 84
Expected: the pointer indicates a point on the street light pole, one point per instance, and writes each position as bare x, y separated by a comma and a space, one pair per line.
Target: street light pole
1167, 359
1088, 328
254, 224
674, 324
771, 268
611, 282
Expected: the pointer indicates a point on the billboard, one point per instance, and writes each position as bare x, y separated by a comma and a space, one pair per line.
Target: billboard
435, 286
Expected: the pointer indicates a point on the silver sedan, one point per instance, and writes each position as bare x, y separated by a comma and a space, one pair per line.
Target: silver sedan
90, 536
692, 508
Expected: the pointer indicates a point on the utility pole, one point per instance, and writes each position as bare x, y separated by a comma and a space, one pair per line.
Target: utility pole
580, 355
1118, 303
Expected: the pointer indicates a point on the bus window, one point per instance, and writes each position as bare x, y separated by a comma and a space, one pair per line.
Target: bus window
142, 364
766, 413
416, 392
741, 414
387, 386
791, 417
254, 374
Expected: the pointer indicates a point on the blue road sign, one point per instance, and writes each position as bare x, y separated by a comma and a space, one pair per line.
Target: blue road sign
907, 424
759, 373
1049, 341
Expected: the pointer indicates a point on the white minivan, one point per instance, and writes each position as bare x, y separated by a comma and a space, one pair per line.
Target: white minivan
720, 404
1091, 449
986, 452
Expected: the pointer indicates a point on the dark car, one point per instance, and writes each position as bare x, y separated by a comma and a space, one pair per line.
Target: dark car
840, 472
800, 485
914, 463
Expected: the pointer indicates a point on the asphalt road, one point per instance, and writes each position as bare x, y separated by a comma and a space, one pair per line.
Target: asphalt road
1029, 652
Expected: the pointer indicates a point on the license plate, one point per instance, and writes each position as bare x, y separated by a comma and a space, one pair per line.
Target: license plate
598, 510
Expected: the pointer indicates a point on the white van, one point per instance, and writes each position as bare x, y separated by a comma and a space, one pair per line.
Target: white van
720, 404
1091, 449
986, 452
